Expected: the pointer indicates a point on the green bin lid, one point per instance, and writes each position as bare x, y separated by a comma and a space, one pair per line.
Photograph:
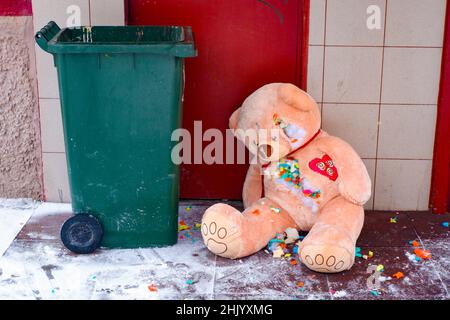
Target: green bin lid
170, 40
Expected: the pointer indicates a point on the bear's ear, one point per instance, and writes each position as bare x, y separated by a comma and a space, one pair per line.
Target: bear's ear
296, 98
234, 119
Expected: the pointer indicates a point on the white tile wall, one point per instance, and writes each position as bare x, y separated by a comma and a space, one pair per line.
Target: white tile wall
95, 12
52, 135
317, 22
56, 182
315, 72
352, 74
370, 166
415, 22
402, 184
347, 23
411, 75
355, 123
380, 89
407, 132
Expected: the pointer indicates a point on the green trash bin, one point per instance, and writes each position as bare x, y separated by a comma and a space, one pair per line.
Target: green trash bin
121, 92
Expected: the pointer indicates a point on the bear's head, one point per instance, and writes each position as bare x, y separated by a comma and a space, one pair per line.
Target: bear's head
275, 120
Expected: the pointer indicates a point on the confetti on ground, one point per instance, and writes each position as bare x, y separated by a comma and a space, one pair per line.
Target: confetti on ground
183, 226
189, 282
374, 293
393, 220
291, 235
423, 254
359, 254
380, 268
197, 226
340, 294
152, 288
283, 245
415, 243
188, 208
293, 262
300, 284
445, 224
398, 275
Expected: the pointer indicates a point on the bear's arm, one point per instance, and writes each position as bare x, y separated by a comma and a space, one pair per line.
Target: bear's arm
353, 180
252, 190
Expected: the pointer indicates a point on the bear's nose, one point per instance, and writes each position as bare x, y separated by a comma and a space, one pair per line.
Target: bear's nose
265, 151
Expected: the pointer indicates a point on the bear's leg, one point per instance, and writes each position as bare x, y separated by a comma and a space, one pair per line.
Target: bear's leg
330, 244
231, 234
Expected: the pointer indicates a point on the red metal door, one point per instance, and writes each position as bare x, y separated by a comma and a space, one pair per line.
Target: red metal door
242, 44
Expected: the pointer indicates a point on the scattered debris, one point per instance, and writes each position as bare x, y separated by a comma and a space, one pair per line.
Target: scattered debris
284, 245
152, 288
197, 226
375, 293
339, 294
189, 282
278, 252
380, 268
300, 284
423, 254
292, 235
359, 254
393, 220
414, 243
188, 208
445, 224
398, 275
183, 226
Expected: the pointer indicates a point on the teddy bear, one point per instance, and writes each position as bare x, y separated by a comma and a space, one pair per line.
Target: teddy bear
302, 178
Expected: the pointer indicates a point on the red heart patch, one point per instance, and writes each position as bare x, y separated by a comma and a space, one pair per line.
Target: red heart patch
325, 167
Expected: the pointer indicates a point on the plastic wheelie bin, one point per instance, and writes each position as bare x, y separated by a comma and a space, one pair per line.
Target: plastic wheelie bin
121, 92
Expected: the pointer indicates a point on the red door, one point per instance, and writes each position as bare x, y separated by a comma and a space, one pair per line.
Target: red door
242, 44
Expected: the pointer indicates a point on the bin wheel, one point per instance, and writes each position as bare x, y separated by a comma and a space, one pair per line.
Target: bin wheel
82, 234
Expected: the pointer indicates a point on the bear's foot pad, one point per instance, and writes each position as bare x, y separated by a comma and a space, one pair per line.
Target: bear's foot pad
220, 231
326, 258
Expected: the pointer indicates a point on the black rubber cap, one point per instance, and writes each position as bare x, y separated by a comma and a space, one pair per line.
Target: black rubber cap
82, 234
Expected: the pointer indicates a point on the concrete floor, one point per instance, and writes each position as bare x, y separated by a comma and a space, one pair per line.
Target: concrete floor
35, 264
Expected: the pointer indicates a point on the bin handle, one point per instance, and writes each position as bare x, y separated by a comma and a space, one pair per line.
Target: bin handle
46, 34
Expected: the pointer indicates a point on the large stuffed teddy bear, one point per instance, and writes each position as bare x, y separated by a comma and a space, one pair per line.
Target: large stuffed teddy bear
304, 179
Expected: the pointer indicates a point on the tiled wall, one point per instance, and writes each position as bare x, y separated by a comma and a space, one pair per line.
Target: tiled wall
95, 12
378, 89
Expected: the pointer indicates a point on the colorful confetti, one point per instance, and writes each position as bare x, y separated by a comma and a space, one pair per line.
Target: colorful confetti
183, 226
152, 288
398, 275
423, 254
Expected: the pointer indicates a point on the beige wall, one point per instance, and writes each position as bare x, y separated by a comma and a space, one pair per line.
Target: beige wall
378, 89
20, 154
95, 12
